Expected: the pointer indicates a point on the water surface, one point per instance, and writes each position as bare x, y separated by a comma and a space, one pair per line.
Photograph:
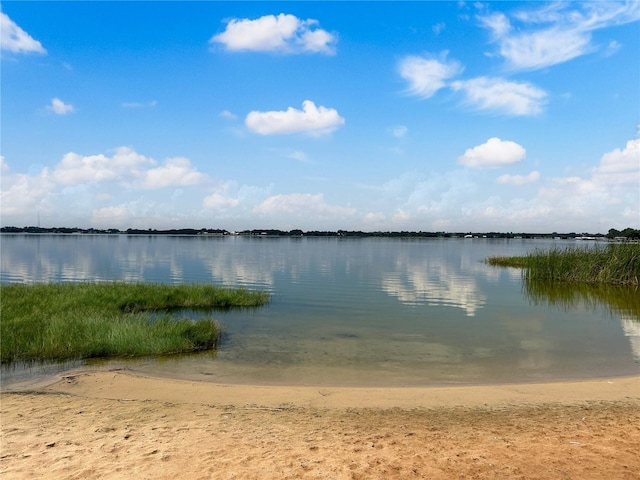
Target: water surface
350, 311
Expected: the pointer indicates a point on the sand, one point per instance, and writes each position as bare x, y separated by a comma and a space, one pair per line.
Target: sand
93, 425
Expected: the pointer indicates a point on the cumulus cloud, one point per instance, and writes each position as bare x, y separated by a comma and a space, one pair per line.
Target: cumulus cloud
302, 204
175, 172
620, 166
282, 33
556, 33
24, 194
14, 39
125, 164
519, 179
502, 96
311, 119
493, 153
427, 75
59, 107
127, 167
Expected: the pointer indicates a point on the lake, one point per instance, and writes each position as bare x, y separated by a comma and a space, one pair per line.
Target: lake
353, 311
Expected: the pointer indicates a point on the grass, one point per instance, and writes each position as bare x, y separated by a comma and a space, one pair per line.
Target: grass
610, 264
63, 321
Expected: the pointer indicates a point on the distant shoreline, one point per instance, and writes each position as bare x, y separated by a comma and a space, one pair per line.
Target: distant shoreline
625, 235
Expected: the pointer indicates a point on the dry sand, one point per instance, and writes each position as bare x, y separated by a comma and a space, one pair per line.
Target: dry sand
91, 425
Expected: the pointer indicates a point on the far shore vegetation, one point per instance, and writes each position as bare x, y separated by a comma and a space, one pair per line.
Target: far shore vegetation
614, 263
628, 234
65, 321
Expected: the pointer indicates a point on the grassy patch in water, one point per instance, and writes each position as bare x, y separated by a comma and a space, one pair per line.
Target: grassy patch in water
62, 321
611, 264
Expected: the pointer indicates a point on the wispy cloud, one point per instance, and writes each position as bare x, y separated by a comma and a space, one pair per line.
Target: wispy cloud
302, 204
502, 96
16, 40
519, 179
299, 156
228, 114
399, 131
282, 33
427, 75
554, 33
311, 120
58, 107
149, 104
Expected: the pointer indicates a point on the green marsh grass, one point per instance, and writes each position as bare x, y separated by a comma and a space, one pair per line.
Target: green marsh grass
609, 264
63, 321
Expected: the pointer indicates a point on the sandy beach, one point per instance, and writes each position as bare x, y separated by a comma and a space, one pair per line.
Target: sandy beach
115, 424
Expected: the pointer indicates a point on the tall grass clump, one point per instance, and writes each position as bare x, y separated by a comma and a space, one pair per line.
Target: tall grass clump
55, 321
610, 264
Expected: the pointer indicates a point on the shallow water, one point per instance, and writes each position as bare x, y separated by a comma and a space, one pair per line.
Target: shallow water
354, 311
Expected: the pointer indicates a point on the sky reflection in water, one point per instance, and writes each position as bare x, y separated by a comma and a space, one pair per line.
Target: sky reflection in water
360, 311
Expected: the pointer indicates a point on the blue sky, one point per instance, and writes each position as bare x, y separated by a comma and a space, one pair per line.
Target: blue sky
431, 116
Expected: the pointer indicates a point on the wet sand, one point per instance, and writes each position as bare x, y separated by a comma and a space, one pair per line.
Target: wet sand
114, 424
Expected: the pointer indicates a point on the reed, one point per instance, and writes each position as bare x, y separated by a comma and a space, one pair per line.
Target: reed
610, 264
54, 321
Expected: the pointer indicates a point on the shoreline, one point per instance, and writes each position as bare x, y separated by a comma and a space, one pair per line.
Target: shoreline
116, 425
135, 386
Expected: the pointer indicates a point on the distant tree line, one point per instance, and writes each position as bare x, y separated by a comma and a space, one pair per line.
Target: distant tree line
626, 234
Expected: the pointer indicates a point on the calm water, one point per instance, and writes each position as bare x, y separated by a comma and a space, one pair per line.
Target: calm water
353, 311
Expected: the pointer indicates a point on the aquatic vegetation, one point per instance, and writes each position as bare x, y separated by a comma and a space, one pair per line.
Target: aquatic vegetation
513, 262
60, 321
611, 264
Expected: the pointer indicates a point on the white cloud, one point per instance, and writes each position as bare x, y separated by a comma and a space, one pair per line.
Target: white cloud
228, 114
311, 119
612, 48
175, 172
555, 33
375, 220
300, 156
530, 51
302, 204
283, 33
498, 23
109, 216
16, 40
493, 153
519, 179
217, 201
126, 167
399, 131
502, 96
427, 75
438, 27
620, 166
59, 107
22, 194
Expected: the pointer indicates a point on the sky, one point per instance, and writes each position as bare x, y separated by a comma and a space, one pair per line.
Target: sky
373, 116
